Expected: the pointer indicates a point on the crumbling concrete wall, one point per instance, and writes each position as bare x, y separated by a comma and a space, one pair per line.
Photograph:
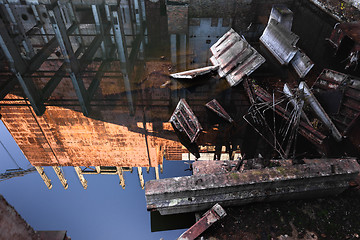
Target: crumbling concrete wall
12, 225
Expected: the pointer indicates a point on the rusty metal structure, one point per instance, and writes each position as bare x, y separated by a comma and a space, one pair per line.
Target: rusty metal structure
219, 110
262, 100
340, 95
185, 120
209, 218
347, 35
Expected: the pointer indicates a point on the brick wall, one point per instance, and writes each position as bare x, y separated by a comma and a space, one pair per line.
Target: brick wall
12, 225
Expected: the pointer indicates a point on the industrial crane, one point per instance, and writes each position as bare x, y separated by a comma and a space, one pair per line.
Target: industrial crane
10, 173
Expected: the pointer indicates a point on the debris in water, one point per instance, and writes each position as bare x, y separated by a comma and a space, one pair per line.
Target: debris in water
185, 120
235, 57
219, 110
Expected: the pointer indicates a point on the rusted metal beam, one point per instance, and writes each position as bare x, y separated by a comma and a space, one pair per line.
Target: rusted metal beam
209, 218
219, 110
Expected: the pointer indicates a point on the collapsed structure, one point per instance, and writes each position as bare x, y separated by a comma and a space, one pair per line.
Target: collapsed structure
323, 113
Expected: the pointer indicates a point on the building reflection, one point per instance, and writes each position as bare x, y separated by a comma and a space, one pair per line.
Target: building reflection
87, 85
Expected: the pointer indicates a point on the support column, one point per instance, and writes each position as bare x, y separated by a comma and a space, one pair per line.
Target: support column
157, 172
121, 176
120, 40
61, 176
44, 177
99, 27
69, 57
141, 177
18, 66
73, 18
81, 177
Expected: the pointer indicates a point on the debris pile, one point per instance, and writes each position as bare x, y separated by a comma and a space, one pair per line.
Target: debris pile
325, 115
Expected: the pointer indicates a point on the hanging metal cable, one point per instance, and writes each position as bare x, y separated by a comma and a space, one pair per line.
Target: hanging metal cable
9, 154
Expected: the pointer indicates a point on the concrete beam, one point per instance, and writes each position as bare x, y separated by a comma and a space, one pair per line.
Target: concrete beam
199, 192
157, 172
61, 176
121, 176
81, 177
141, 177
44, 177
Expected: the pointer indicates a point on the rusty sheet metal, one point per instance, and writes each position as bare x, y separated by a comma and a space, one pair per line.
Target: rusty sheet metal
351, 30
235, 57
194, 73
280, 41
307, 131
301, 63
219, 110
282, 15
200, 192
209, 218
185, 120
348, 106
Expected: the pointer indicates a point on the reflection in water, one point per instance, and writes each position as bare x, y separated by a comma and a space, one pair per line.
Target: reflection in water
103, 86
95, 91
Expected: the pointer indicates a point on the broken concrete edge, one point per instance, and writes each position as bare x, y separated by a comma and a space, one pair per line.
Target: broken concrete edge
266, 175
209, 218
199, 192
327, 10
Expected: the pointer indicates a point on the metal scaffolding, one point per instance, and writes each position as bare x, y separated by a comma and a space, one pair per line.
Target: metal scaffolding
55, 30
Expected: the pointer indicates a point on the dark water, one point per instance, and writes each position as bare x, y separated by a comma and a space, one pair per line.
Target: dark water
176, 37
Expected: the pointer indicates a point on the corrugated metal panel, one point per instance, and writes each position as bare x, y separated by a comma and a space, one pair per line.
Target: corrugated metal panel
280, 41
235, 57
